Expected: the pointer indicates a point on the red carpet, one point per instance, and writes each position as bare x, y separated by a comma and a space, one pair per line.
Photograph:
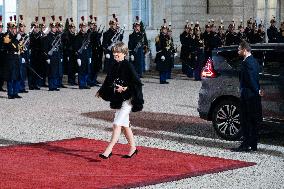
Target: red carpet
75, 164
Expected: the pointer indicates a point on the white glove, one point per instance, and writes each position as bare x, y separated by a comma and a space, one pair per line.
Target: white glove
163, 58
61, 60
176, 54
68, 58
132, 58
79, 62
90, 60
48, 61
108, 56
23, 61
19, 37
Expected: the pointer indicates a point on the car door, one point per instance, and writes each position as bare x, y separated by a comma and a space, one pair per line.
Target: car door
272, 82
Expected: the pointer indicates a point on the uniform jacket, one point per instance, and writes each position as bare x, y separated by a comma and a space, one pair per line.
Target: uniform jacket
123, 71
10, 66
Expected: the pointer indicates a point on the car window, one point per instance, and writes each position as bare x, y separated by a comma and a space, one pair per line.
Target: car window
232, 57
273, 63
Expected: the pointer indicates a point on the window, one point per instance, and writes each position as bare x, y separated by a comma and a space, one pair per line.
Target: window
83, 10
1, 7
274, 63
8, 8
142, 9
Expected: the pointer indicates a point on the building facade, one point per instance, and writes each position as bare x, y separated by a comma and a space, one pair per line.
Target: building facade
152, 12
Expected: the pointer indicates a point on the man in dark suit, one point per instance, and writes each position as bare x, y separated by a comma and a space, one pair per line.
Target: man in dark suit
250, 99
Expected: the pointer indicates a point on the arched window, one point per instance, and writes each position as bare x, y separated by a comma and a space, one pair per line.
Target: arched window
142, 8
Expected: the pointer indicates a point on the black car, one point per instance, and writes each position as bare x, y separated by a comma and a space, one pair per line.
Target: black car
219, 96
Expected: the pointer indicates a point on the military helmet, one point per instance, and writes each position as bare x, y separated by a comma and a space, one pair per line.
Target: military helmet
42, 25
71, 24
241, 25
137, 22
35, 23
113, 20
82, 23
164, 26
12, 24
187, 25
53, 23
21, 21
59, 23
273, 20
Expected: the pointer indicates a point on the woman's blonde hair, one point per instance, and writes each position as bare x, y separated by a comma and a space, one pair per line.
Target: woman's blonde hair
120, 47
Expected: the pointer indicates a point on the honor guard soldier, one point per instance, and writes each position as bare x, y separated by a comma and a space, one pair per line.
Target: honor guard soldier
82, 53
12, 67
241, 35
97, 54
163, 56
43, 64
137, 44
199, 52
1, 55
249, 31
24, 54
187, 50
259, 35
91, 79
35, 56
231, 35
221, 33
272, 32
53, 57
207, 37
69, 58
60, 28
110, 37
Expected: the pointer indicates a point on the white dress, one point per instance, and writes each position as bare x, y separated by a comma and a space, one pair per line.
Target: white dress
121, 117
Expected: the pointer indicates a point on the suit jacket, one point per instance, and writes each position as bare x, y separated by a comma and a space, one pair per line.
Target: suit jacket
249, 78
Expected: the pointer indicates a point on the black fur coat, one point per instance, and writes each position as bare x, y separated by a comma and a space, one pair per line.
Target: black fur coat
122, 73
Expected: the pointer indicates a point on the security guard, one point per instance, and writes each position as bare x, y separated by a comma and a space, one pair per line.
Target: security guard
137, 44
12, 67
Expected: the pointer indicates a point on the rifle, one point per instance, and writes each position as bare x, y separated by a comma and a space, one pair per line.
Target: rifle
85, 43
55, 44
115, 38
139, 44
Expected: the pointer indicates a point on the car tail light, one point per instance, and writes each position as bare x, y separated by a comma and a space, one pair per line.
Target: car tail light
208, 70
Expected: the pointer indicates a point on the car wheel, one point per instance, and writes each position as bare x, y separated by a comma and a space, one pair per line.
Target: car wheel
226, 120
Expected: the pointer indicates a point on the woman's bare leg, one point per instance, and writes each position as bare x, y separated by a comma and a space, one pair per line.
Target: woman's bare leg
114, 138
130, 138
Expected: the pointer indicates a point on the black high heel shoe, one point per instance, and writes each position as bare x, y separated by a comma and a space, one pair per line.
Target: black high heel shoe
105, 157
130, 156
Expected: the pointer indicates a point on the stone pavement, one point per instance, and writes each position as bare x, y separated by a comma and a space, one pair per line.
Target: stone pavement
47, 116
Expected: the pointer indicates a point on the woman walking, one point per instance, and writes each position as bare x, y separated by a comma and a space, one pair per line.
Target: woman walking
123, 88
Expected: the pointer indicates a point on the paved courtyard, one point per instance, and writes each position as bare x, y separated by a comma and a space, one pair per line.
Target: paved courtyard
47, 116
